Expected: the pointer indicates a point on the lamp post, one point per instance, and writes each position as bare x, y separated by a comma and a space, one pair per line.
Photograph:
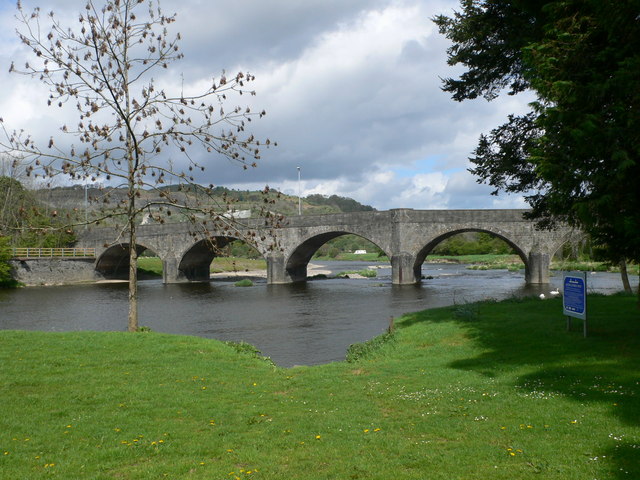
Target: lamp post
86, 206
299, 199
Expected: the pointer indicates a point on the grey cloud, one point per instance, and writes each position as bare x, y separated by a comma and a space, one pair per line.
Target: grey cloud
337, 122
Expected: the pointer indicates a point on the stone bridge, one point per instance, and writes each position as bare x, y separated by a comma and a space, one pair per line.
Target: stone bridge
405, 235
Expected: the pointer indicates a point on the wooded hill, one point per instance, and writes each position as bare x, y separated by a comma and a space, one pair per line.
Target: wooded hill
240, 200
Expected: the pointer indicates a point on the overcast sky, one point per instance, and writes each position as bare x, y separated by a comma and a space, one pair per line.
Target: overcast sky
351, 89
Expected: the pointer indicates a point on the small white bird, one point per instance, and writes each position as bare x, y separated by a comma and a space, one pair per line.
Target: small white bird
542, 297
555, 292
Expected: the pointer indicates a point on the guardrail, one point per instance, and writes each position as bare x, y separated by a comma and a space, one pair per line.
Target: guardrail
28, 252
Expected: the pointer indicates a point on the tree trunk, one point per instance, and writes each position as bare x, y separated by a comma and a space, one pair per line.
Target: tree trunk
625, 276
133, 278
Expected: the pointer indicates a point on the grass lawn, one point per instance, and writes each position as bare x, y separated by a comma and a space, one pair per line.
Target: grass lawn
478, 391
153, 265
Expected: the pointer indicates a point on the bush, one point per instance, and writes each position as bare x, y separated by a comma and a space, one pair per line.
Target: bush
363, 273
6, 280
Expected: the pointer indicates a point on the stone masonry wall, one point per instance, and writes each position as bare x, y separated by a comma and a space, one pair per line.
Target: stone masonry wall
53, 271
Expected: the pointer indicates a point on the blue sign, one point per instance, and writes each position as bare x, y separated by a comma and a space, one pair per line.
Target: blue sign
575, 295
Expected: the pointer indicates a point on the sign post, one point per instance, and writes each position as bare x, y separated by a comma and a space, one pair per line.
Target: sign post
574, 297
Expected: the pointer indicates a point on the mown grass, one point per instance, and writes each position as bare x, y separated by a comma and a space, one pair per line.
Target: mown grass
352, 257
486, 259
153, 265
489, 390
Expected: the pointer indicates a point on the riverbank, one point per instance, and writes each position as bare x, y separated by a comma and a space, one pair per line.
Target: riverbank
488, 390
233, 267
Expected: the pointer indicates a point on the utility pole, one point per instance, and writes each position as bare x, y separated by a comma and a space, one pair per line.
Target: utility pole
86, 206
299, 199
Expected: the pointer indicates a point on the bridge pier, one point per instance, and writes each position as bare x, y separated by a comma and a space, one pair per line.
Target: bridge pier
537, 270
170, 272
276, 270
278, 273
403, 271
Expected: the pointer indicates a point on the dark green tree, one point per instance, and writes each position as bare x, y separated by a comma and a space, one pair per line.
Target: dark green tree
575, 156
6, 280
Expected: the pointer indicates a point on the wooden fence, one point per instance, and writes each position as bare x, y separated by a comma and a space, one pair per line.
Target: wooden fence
28, 252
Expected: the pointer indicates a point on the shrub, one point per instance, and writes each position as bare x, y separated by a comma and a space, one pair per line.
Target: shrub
6, 280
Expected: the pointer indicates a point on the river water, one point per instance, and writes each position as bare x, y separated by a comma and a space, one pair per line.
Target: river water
300, 324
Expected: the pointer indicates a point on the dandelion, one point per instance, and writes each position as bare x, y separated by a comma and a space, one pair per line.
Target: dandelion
318, 437
377, 429
366, 430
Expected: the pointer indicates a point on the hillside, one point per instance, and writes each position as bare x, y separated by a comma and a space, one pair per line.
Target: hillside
240, 200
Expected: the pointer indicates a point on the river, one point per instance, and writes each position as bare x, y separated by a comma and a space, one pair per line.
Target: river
301, 324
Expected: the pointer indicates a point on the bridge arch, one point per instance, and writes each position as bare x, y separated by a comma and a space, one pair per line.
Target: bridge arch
195, 262
298, 260
113, 263
431, 244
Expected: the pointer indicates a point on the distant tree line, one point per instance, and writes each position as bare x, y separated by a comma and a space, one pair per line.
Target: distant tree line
26, 222
472, 243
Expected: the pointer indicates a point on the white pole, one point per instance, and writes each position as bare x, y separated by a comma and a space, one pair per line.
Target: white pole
86, 206
299, 199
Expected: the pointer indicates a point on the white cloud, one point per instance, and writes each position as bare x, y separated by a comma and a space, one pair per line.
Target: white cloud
351, 89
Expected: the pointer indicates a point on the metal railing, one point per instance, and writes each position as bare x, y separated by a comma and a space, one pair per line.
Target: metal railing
29, 252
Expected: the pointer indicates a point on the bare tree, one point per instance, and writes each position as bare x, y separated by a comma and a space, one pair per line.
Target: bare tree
129, 132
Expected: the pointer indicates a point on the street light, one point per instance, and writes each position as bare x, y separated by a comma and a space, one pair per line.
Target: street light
86, 206
299, 199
